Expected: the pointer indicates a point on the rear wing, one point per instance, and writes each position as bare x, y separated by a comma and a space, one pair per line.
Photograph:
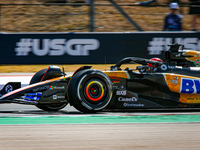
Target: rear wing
178, 56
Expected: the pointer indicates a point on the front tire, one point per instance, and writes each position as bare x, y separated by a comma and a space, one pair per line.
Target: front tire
51, 107
89, 91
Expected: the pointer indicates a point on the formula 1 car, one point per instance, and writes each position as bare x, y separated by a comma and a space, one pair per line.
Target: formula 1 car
154, 84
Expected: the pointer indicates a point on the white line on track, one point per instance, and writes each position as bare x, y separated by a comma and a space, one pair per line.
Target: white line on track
24, 79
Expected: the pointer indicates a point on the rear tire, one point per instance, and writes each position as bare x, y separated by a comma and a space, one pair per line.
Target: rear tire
89, 90
50, 107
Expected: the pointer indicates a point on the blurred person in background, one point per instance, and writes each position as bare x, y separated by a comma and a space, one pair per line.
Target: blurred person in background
173, 20
145, 2
152, 1
195, 12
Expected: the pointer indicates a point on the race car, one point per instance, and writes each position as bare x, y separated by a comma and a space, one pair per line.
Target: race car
153, 84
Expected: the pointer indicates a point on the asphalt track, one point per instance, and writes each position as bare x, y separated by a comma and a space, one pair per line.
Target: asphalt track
25, 127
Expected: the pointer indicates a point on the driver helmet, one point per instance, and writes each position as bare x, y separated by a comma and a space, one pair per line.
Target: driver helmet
154, 59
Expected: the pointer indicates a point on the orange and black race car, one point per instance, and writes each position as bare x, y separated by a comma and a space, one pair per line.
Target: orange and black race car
153, 84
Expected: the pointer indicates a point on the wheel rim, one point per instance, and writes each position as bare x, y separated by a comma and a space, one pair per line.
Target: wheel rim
94, 90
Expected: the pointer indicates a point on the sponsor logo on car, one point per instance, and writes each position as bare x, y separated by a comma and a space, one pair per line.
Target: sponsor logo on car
8, 88
165, 67
175, 81
56, 87
115, 81
190, 86
120, 92
131, 99
133, 105
58, 97
197, 62
41, 88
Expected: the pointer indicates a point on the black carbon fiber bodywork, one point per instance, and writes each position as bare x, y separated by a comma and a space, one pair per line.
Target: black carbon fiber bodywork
150, 90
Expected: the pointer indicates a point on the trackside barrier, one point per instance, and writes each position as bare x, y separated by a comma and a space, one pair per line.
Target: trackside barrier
89, 48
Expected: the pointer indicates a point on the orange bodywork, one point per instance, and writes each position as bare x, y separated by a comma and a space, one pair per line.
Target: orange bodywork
117, 74
195, 59
174, 83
